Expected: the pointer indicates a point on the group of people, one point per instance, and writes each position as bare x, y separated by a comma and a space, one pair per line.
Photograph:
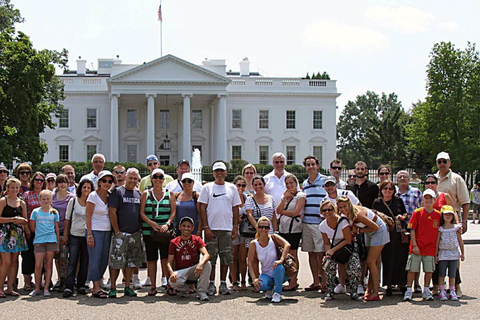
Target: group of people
119, 221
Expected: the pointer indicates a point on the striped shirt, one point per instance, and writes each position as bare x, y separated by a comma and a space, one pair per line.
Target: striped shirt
158, 211
315, 193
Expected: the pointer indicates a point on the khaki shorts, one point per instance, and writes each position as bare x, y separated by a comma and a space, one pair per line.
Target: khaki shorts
127, 250
312, 240
221, 245
414, 261
44, 247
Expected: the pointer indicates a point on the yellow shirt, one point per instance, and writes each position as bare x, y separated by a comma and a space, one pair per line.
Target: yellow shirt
455, 186
146, 183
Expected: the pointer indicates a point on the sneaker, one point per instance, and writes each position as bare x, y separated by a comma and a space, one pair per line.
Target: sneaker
268, 294
355, 297
443, 295
35, 293
57, 285
418, 289
164, 282
136, 283
224, 290
360, 290
427, 295
203, 296
277, 297
340, 288
112, 293
328, 296
408, 296
147, 282
129, 292
212, 290
453, 295
107, 285
458, 290
46, 293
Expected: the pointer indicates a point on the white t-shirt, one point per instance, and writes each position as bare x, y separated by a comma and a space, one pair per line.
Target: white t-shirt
370, 215
220, 199
77, 222
340, 193
100, 217
175, 186
324, 228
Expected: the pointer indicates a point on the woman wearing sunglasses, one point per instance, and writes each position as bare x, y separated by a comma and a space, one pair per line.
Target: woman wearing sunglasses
98, 231
157, 210
383, 173
24, 173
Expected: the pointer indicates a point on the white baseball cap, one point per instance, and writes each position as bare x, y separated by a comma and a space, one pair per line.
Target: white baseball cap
443, 155
429, 192
219, 166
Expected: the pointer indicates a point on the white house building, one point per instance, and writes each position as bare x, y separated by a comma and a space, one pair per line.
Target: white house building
169, 106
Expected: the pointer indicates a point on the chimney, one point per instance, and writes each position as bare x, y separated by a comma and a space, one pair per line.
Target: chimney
81, 66
117, 60
245, 67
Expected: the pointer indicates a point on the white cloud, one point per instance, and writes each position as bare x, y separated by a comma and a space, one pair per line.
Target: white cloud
334, 36
404, 19
449, 25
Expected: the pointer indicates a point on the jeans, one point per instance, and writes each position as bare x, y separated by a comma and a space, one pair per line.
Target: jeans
78, 251
99, 254
275, 282
188, 274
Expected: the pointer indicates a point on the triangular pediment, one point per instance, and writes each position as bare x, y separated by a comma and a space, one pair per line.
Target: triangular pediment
169, 69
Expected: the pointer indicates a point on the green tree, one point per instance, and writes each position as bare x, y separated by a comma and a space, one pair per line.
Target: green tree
29, 90
449, 118
372, 129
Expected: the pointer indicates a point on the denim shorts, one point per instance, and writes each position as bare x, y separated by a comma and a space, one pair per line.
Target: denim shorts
379, 237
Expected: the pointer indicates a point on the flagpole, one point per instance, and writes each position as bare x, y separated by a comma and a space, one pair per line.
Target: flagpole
161, 39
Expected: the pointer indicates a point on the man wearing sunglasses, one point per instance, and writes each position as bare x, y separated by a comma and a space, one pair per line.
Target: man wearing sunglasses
119, 174
152, 164
175, 186
69, 171
335, 171
98, 162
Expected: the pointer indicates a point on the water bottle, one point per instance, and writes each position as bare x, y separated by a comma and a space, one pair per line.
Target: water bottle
398, 225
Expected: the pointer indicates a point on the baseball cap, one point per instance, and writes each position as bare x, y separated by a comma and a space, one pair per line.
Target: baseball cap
219, 166
182, 162
187, 219
51, 175
157, 170
330, 179
443, 155
151, 158
2, 167
187, 175
447, 209
429, 192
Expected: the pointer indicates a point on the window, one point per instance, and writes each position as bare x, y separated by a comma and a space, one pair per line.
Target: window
263, 119
164, 160
318, 153
91, 118
317, 119
131, 119
91, 150
197, 119
290, 119
63, 119
290, 154
263, 152
63, 151
236, 119
164, 119
131, 153
236, 152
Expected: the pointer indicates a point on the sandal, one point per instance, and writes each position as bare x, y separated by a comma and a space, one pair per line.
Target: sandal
370, 298
99, 294
313, 288
171, 291
191, 290
152, 292
12, 294
3, 295
28, 288
291, 289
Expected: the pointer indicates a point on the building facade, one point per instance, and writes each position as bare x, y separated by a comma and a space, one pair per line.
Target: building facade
169, 106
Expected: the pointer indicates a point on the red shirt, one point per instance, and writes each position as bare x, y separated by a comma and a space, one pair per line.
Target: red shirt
441, 201
426, 226
186, 252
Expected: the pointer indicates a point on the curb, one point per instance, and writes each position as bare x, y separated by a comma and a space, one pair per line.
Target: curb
471, 241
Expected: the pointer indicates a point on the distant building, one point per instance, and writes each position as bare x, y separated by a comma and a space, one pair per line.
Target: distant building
169, 106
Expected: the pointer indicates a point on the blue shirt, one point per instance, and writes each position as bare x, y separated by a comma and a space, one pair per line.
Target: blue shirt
44, 226
315, 193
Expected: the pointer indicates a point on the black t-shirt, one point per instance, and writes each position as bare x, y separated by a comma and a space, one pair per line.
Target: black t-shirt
127, 203
367, 192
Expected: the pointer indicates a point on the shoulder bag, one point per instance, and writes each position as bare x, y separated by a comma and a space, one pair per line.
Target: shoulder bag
389, 222
289, 263
247, 230
343, 254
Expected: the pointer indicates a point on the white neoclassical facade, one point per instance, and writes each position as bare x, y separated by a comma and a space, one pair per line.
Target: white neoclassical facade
169, 106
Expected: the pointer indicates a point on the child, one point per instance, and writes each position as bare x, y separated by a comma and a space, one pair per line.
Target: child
476, 202
44, 222
448, 241
423, 227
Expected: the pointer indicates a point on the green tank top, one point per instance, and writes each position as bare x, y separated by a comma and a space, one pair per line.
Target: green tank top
158, 211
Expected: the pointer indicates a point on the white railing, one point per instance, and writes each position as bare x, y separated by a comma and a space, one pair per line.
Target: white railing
250, 83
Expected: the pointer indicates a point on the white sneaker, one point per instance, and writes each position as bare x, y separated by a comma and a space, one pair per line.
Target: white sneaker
35, 293
427, 295
268, 294
203, 296
453, 295
136, 283
164, 282
46, 293
147, 282
408, 296
340, 288
360, 290
277, 297
107, 285
443, 295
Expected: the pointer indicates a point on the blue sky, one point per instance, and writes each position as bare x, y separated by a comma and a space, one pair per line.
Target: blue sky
365, 45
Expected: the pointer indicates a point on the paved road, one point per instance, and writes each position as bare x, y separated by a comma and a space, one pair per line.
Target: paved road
296, 305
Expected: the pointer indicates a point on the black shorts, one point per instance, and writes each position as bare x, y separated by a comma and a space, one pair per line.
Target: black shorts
293, 239
152, 248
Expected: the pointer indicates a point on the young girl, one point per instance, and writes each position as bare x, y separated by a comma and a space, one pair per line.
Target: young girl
44, 222
449, 240
13, 215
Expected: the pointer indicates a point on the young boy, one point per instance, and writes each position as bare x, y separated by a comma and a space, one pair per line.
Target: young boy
423, 226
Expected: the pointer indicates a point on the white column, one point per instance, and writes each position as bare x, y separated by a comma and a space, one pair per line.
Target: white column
114, 157
221, 126
187, 142
150, 123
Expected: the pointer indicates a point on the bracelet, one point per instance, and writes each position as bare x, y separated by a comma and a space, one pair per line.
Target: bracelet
206, 227
90, 236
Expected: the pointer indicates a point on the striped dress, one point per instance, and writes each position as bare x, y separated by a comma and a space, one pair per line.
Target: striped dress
158, 211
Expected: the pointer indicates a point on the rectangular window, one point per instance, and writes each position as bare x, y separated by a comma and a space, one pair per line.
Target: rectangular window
197, 119
63, 119
263, 152
317, 119
63, 155
91, 150
263, 119
91, 118
132, 153
131, 119
236, 152
236, 119
164, 119
318, 153
290, 119
291, 155
164, 160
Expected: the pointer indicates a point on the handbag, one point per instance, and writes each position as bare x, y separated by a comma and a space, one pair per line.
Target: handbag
343, 254
289, 263
246, 229
389, 222
157, 236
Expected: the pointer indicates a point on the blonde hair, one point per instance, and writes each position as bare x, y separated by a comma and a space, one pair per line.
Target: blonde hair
249, 166
50, 194
12, 180
326, 203
262, 219
352, 210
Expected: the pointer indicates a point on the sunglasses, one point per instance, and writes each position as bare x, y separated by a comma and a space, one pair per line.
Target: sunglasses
160, 177
152, 164
329, 185
388, 188
106, 181
39, 180
243, 185
384, 173
4, 171
430, 182
249, 173
264, 227
187, 181
336, 168
49, 180
119, 172
442, 161
25, 172
352, 176
328, 210
277, 162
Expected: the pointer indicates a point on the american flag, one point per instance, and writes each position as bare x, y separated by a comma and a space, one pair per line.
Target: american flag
160, 12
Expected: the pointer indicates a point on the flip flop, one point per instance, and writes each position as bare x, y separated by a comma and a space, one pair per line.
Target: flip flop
100, 294
12, 294
171, 292
152, 292
2, 295
291, 289
370, 298
313, 288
